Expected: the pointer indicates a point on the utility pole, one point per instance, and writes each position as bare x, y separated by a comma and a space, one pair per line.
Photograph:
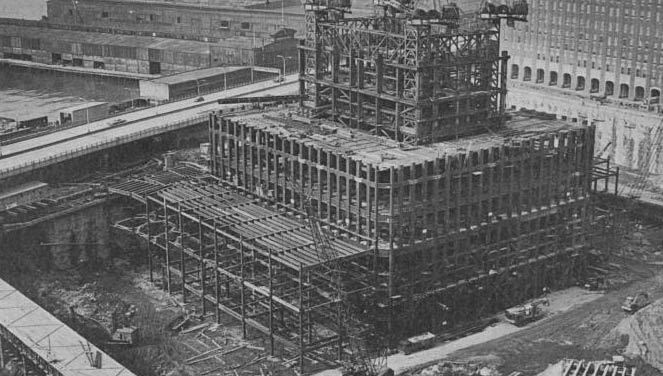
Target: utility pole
284, 59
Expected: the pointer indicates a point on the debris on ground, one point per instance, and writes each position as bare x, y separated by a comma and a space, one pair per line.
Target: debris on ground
446, 368
588, 330
644, 330
569, 367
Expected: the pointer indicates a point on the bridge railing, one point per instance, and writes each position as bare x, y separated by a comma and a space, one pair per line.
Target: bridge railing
101, 145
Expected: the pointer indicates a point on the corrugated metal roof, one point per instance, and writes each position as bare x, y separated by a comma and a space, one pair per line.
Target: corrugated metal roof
105, 39
49, 338
83, 106
196, 75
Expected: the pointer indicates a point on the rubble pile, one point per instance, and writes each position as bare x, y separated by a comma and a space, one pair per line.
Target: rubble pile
89, 303
458, 369
644, 330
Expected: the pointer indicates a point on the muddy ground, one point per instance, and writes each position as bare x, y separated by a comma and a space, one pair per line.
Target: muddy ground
587, 331
124, 289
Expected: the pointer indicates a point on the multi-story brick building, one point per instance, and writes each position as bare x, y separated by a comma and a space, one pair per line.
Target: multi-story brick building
600, 47
34, 41
594, 61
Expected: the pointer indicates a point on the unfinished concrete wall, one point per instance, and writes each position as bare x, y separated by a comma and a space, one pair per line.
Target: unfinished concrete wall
629, 134
75, 238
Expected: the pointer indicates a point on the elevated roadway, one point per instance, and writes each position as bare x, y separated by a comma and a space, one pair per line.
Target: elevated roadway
49, 149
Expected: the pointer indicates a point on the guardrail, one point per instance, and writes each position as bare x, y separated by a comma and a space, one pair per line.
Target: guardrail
91, 148
129, 111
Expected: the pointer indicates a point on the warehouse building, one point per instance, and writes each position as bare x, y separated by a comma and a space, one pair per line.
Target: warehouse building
182, 19
141, 54
203, 81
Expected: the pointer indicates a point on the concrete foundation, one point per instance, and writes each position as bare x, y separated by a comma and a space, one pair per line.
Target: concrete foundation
74, 238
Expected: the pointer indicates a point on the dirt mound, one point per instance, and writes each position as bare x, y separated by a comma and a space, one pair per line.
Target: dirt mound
470, 368
645, 334
556, 369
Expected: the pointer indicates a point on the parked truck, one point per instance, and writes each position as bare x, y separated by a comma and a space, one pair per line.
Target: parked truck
526, 313
633, 304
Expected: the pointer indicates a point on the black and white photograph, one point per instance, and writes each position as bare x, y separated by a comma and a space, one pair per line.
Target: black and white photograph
331, 188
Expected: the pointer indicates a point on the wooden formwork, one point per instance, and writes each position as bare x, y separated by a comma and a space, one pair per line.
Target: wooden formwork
462, 227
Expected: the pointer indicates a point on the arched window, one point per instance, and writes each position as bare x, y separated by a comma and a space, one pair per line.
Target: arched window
609, 88
654, 93
639, 93
528, 74
514, 71
624, 91
540, 76
553, 78
595, 86
580, 85
567, 80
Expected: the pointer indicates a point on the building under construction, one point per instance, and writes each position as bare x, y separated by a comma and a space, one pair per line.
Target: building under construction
399, 196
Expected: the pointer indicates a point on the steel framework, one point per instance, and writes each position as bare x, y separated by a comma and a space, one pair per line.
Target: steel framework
234, 255
414, 82
462, 228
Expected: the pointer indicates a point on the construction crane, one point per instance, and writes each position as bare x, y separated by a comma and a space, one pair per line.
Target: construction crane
325, 250
447, 14
511, 11
321, 5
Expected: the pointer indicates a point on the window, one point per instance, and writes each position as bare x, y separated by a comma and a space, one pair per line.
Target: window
553, 78
624, 91
528, 74
580, 83
246, 26
224, 24
178, 19
104, 14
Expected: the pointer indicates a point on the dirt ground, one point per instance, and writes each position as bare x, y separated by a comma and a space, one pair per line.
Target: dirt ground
126, 290
588, 331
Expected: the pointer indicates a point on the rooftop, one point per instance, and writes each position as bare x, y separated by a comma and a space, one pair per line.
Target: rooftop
287, 239
196, 75
179, 45
385, 153
289, 6
83, 106
56, 343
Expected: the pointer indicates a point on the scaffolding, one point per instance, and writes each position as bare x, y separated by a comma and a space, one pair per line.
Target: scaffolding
232, 254
406, 77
